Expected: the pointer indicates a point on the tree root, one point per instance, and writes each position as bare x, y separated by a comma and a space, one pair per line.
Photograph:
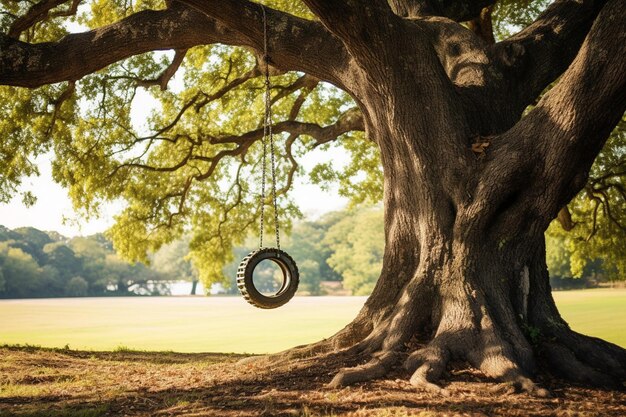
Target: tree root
566, 364
293, 354
497, 361
587, 360
428, 365
521, 384
491, 355
597, 353
375, 368
484, 344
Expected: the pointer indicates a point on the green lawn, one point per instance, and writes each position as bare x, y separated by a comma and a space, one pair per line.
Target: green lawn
598, 312
228, 324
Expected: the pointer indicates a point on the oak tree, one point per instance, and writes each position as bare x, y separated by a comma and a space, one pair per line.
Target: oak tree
476, 158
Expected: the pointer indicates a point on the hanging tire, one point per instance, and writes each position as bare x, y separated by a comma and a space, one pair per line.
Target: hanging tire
288, 267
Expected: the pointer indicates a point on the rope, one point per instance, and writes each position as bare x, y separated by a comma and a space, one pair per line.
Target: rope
267, 133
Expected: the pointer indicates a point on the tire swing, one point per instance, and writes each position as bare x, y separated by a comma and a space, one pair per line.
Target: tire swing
288, 267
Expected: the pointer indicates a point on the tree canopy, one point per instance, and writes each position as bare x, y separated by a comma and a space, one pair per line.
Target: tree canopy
193, 166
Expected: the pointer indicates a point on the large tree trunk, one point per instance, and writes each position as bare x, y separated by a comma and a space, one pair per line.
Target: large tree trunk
468, 197
449, 291
455, 288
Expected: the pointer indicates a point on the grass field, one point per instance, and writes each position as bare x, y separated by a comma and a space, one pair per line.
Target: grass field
228, 324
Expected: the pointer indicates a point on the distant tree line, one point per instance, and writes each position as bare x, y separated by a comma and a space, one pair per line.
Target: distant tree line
342, 247
34, 263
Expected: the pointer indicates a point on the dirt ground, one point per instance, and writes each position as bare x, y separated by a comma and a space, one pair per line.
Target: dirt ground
54, 383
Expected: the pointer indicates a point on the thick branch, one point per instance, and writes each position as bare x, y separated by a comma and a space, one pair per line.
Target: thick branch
482, 25
355, 22
541, 52
565, 218
571, 123
293, 43
76, 55
411, 8
297, 44
38, 13
460, 11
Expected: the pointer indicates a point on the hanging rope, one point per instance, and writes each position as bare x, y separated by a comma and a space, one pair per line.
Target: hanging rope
288, 267
267, 133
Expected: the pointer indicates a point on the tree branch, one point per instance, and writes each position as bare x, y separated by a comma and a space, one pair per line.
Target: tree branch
293, 43
76, 55
482, 25
537, 55
38, 13
65, 95
350, 120
165, 77
355, 22
460, 11
296, 44
565, 218
571, 123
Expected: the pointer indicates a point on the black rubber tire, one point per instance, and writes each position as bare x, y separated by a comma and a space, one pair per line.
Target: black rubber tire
245, 283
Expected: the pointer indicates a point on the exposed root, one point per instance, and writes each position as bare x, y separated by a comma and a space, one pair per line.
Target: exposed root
466, 332
504, 368
566, 364
597, 353
293, 354
375, 368
253, 360
521, 384
418, 380
428, 365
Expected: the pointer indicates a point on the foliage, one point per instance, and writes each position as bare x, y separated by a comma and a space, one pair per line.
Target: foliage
306, 245
39, 264
77, 287
173, 259
357, 243
599, 215
361, 180
102, 154
20, 272
510, 16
